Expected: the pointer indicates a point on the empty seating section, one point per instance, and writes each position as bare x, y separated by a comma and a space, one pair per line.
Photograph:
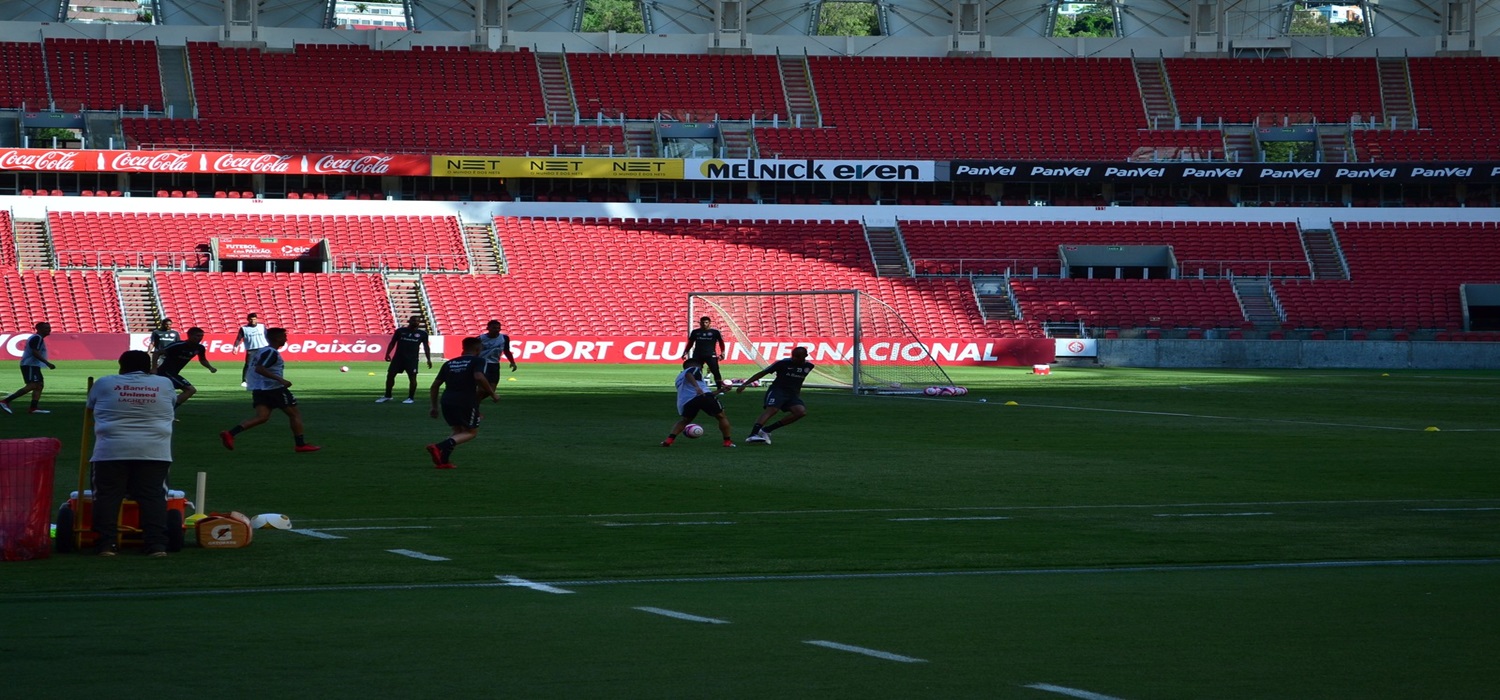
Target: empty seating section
1402, 276
643, 86
352, 98
1332, 89
600, 278
73, 301
941, 108
8, 259
1129, 303
1032, 247
113, 239
301, 303
1457, 101
97, 74
23, 80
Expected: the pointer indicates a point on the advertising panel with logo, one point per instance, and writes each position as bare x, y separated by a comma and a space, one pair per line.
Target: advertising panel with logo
211, 162
267, 248
305, 347
810, 170
1231, 173
570, 168
993, 352
62, 347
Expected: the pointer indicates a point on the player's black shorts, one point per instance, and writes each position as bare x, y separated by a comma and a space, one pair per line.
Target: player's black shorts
178, 381
783, 400
31, 375
711, 361
704, 403
461, 414
492, 373
401, 364
273, 398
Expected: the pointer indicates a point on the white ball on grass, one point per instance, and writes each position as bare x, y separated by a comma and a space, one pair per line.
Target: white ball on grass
693, 430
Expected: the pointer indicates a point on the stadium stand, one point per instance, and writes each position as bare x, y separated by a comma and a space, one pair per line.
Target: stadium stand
103, 75
23, 80
698, 87
1126, 303
303, 303
1457, 100
1330, 89
7, 242
73, 301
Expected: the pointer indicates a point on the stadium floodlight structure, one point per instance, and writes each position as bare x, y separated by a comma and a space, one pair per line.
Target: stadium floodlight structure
856, 341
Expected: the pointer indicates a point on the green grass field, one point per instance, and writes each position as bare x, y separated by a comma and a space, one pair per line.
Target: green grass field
1115, 534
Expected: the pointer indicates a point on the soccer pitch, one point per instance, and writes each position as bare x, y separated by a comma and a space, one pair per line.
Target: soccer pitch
1113, 533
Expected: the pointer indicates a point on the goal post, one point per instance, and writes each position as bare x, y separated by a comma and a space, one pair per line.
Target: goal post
856, 341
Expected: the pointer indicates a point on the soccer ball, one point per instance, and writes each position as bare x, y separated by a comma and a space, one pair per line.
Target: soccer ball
345, 368
693, 430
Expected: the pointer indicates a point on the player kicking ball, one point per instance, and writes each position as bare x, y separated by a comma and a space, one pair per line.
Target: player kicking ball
462, 382
694, 398
785, 394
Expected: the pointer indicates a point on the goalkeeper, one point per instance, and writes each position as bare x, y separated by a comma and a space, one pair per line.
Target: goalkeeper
706, 345
785, 394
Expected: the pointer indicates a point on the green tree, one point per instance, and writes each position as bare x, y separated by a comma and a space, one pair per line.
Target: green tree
848, 19
1097, 21
613, 16
1310, 22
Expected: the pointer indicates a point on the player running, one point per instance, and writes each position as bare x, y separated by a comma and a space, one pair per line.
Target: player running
159, 340
252, 335
706, 344
269, 390
494, 345
692, 398
462, 383
175, 357
33, 359
785, 394
402, 353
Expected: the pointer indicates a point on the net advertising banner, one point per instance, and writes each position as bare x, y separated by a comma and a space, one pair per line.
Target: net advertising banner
267, 248
1229, 173
212, 162
569, 168
725, 169
995, 352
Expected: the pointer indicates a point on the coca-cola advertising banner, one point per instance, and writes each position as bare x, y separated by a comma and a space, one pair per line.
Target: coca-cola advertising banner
267, 248
62, 347
998, 352
1230, 173
211, 162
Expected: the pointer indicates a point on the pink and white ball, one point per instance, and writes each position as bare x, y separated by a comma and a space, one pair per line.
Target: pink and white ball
693, 430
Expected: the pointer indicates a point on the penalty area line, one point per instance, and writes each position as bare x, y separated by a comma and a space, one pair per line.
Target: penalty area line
888, 656
681, 615
1070, 692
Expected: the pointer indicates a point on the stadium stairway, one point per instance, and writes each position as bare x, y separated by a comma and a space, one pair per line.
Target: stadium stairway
1323, 251
407, 298
138, 301
888, 251
1395, 92
177, 92
1254, 294
484, 249
796, 84
33, 245
1156, 93
557, 91
992, 294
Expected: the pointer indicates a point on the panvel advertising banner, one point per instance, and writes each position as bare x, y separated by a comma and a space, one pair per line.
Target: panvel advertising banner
810, 170
995, 352
211, 162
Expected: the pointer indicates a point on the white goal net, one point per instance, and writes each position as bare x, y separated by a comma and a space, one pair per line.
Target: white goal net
857, 341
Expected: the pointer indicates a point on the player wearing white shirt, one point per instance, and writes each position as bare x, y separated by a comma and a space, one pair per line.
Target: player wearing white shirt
252, 336
133, 413
492, 346
33, 359
693, 397
270, 390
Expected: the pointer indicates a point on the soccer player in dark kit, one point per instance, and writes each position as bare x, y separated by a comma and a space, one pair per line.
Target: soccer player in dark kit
707, 345
785, 394
159, 340
404, 352
173, 358
462, 383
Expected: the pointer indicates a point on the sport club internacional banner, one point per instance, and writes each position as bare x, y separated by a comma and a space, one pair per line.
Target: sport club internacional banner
1229, 173
212, 162
995, 352
810, 170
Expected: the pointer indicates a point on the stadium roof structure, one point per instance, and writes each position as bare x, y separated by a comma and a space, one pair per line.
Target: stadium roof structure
1254, 27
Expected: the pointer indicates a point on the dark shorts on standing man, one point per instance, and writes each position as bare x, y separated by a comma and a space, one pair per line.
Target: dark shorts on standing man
402, 364
492, 373
273, 398
461, 414
178, 381
702, 403
782, 400
31, 375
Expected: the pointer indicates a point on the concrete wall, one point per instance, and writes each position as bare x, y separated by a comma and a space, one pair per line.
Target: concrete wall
1298, 354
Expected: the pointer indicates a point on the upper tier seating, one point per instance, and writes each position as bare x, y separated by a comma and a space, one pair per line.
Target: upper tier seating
301, 303
1130, 302
580, 277
23, 80
643, 86
1331, 89
98, 74
114, 239
1402, 276
941, 108
1457, 101
1027, 247
73, 301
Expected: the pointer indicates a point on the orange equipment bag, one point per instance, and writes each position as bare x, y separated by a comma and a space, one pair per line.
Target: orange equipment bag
225, 531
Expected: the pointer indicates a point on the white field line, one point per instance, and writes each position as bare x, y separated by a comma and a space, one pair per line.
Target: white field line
417, 555
554, 586
1205, 515
319, 534
699, 522
867, 652
1448, 510
960, 509
682, 615
1071, 692
519, 582
976, 517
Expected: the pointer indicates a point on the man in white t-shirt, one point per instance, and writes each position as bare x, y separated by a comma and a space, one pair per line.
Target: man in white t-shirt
252, 336
133, 413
